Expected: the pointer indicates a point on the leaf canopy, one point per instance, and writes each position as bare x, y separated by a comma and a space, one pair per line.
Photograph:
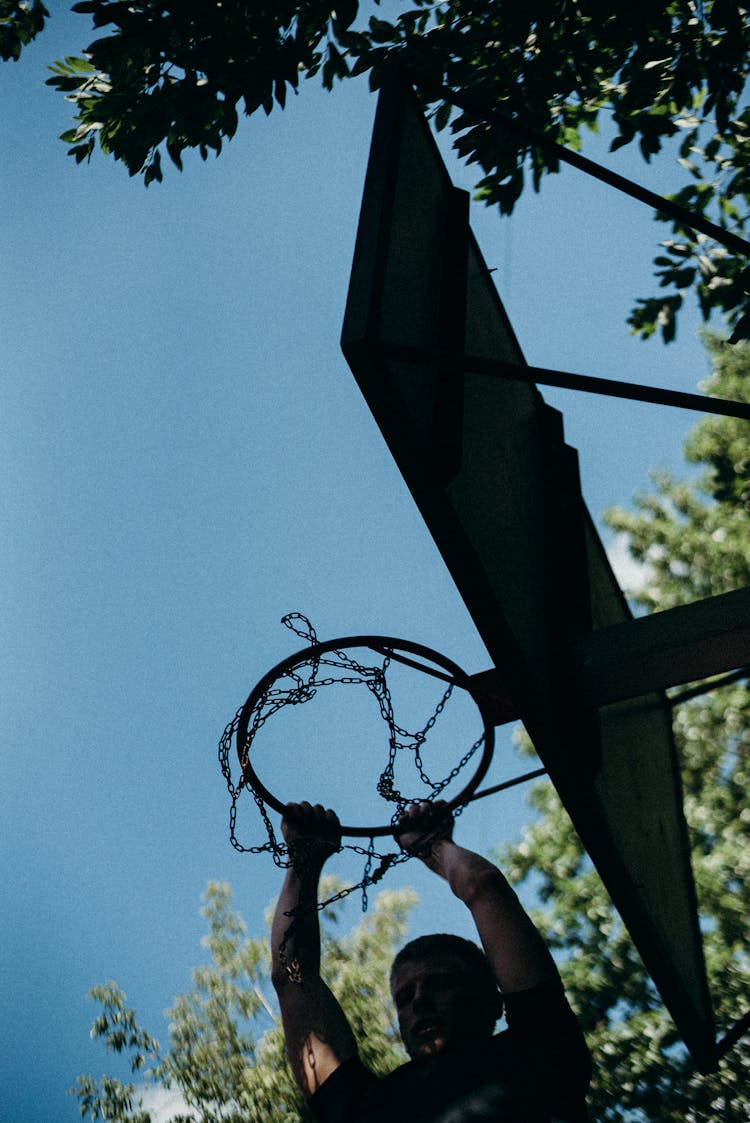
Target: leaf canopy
669, 78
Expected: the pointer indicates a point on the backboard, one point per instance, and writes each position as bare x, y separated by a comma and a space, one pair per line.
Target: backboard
487, 464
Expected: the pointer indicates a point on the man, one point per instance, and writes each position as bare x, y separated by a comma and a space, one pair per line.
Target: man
446, 995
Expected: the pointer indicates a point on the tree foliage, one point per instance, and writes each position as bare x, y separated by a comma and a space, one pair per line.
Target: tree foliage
20, 22
226, 1053
167, 78
177, 76
691, 535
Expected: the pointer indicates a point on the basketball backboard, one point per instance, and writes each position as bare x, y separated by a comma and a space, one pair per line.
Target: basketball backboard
487, 464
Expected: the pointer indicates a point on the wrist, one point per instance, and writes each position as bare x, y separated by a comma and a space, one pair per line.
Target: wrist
308, 857
472, 881
437, 857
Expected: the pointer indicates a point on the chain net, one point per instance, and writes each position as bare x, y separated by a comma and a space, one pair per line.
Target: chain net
298, 685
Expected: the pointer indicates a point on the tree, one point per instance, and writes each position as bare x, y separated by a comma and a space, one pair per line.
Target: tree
691, 537
174, 77
226, 1051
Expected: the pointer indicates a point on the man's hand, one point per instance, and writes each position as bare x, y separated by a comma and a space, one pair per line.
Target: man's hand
423, 825
311, 833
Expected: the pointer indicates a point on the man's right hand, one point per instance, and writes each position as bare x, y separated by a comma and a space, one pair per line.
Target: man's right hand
311, 832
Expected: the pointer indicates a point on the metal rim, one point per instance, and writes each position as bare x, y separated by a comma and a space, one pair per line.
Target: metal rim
382, 645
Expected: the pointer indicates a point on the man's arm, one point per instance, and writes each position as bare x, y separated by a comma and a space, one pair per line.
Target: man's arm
318, 1036
517, 953
548, 1041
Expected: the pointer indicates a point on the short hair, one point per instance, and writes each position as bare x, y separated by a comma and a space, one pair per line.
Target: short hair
447, 943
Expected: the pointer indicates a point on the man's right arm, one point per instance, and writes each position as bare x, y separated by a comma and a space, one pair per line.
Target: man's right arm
318, 1036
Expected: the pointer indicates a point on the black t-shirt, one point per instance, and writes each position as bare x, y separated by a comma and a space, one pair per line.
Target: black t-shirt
535, 1071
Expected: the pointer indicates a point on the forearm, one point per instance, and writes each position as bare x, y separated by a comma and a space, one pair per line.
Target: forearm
317, 1034
518, 954
295, 932
466, 872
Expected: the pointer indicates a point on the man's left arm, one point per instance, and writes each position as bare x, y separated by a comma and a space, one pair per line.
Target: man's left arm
551, 1048
517, 953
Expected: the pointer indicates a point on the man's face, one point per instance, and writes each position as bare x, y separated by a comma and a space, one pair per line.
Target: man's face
438, 1003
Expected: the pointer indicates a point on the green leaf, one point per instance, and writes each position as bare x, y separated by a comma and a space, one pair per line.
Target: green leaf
381, 31
442, 115
78, 65
619, 142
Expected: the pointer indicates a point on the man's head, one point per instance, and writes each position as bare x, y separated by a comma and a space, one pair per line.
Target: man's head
445, 993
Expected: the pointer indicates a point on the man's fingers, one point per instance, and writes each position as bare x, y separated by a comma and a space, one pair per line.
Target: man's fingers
312, 821
421, 824
423, 815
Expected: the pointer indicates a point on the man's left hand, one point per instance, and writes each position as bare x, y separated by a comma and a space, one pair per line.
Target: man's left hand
421, 825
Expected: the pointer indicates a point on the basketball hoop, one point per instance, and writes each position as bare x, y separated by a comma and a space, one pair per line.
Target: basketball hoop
296, 680
363, 661
266, 696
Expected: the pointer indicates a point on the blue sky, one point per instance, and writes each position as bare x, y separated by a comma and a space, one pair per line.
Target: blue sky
185, 457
